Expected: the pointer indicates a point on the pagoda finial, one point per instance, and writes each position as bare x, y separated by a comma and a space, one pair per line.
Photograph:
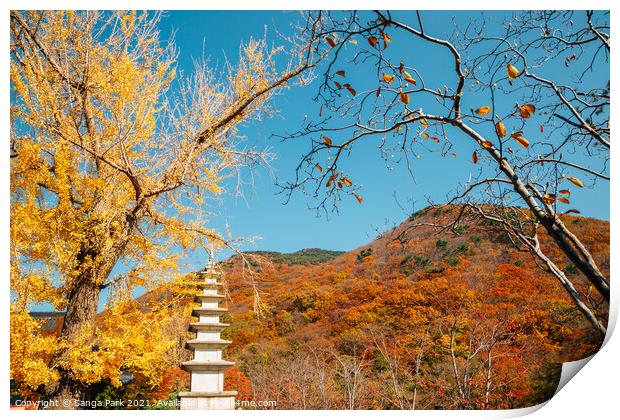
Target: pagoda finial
211, 264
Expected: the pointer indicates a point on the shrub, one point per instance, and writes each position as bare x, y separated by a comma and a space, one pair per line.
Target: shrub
441, 243
364, 253
460, 229
423, 261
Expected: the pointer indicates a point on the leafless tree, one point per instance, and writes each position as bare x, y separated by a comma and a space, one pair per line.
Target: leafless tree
493, 65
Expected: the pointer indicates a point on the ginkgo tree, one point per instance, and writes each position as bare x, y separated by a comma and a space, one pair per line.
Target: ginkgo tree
113, 160
498, 85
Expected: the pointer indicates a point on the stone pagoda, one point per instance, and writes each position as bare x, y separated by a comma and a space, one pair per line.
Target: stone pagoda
207, 367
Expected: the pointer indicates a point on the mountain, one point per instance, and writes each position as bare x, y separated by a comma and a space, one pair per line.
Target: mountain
456, 318
304, 256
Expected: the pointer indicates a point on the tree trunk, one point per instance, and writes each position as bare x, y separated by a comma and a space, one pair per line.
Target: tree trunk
82, 305
80, 315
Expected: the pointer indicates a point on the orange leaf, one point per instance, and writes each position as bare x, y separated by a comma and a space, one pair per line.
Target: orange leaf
331, 179
346, 181
424, 123
408, 78
386, 37
387, 78
483, 110
359, 198
564, 200
548, 199
500, 129
318, 167
372, 40
512, 71
486, 144
575, 181
337, 85
542, 129
530, 108
522, 141
404, 98
565, 192
327, 141
572, 211
474, 157
330, 41
340, 73
524, 113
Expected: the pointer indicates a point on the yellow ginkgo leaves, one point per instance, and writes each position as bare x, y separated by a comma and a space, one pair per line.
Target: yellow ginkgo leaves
483, 110
575, 181
512, 71
500, 129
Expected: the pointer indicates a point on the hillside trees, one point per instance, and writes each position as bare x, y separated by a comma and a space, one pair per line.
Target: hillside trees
548, 67
112, 156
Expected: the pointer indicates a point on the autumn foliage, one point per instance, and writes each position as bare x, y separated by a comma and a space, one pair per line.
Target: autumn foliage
452, 320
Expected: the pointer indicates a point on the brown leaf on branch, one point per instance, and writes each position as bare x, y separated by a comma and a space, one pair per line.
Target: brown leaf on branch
512, 71
575, 181
500, 129
408, 77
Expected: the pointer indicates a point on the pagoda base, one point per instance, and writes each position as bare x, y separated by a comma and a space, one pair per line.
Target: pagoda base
224, 400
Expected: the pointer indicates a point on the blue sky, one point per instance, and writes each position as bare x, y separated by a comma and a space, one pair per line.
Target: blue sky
293, 226
290, 227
